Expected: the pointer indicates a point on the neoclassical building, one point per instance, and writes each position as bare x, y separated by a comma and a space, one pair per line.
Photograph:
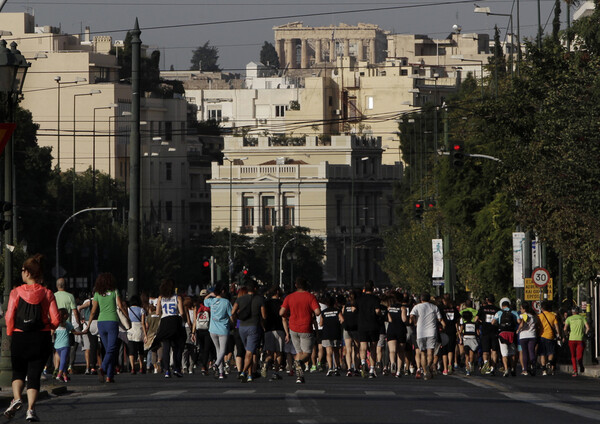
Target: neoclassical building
335, 186
302, 47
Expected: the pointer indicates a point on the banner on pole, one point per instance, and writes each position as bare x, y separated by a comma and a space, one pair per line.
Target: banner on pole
518, 240
438, 258
6, 131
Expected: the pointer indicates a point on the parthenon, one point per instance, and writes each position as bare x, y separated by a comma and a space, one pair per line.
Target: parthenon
301, 47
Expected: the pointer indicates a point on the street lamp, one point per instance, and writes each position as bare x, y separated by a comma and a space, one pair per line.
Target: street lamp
90, 93
462, 59
487, 11
281, 262
352, 218
59, 83
111, 106
230, 265
13, 69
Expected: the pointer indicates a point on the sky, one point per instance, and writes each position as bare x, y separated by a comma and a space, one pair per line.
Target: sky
238, 28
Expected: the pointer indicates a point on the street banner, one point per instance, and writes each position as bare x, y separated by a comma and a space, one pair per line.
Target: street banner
536, 254
6, 131
438, 258
518, 239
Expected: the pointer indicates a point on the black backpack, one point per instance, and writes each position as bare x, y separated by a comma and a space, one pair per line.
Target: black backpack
28, 316
508, 321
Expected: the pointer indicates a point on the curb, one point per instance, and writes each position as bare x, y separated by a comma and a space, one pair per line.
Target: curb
591, 371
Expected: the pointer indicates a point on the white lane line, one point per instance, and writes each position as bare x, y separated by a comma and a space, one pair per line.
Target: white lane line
451, 394
379, 393
240, 392
310, 392
594, 399
99, 395
168, 393
296, 410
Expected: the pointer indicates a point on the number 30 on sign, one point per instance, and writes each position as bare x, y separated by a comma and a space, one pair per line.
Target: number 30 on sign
540, 277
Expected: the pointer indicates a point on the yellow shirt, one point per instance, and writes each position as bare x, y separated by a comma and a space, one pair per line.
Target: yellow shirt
549, 322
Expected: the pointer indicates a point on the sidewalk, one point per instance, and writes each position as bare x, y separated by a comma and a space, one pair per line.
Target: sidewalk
590, 371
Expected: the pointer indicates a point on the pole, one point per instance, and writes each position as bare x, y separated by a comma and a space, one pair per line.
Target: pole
133, 250
518, 39
539, 31
281, 262
352, 207
57, 79
230, 263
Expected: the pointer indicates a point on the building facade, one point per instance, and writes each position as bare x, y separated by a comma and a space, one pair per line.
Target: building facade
339, 189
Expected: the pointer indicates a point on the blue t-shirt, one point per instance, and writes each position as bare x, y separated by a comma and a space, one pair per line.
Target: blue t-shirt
135, 313
500, 312
61, 335
220, 311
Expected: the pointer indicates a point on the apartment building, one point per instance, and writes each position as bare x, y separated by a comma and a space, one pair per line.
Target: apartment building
336, 186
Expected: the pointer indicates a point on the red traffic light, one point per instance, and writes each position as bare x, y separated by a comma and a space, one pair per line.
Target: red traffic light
456, 147
418, 205
206, 264
245, 271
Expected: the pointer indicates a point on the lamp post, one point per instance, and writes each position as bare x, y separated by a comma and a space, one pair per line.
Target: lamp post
13, 69
92, 92
60, 83
352, 218
111, 106
487, 11
281, 262
462, 59
230, 254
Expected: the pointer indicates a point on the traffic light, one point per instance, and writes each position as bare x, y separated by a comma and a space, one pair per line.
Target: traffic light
430, 205
245, 271
457, 154
419, 208
4, 223
205, 263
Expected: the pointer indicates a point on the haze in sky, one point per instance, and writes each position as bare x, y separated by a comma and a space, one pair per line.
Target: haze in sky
238, 28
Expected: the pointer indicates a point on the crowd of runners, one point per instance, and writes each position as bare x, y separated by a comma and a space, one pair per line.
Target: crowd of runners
257, 333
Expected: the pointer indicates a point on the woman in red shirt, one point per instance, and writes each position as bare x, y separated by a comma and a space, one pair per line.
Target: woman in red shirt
30, 316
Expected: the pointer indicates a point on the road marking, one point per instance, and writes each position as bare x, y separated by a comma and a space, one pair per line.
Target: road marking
593, 399
240, 392
451, 394
379, 393
310, 392
99, 394
296, 410
168, 393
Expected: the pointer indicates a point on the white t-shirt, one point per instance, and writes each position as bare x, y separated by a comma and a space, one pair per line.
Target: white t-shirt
427, 317
528, 328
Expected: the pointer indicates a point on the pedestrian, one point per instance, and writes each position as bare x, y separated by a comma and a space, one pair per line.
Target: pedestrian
332, 335
106, 300
507, 322
274, 335
369, 309
200, 330
30, 316
550, 333
171, 332
528, 331
426, 317
220, 323
397, 316
451, 318
350, 334
250, 310
468, 338
89, 338
62, 345
300, 309
65, 300
577, 327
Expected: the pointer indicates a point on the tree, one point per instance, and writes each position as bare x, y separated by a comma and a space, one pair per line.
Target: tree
268, 55
205, 58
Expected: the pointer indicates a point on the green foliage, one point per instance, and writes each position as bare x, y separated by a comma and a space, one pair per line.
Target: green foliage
206, 58
268, 55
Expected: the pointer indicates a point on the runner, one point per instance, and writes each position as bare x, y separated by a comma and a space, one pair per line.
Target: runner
489, 335
397, 316
332, 335
426, 317
368, 307
274, 335
468, 335
576, 326
300, 308
451, 317
550, 332
507, 321
527, 338
350, 334
171, 333
220, 322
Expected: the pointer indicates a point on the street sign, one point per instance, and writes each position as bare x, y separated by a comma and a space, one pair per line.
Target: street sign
532, 291
537, 306
437, 282
540, 277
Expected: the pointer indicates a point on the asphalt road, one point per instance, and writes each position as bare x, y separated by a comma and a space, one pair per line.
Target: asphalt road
444, 399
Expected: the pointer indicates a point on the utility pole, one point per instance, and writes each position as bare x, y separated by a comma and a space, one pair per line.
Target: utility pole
133, 251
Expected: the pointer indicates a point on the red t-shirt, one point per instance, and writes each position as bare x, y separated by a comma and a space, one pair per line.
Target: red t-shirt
301, 306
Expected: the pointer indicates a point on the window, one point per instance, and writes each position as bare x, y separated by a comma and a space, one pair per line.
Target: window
369, 102
404, 72
168, 131
168, 210
215, 114
280, 110
269, 212
289, 204
247, 212
168, 171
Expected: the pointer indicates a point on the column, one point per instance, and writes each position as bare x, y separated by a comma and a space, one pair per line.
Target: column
346, 47
303, 53
318, 53
290, 57
372, 56
332, 51
280, 47
360, 47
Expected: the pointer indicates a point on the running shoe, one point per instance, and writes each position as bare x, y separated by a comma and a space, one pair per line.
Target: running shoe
178, 374
313, 368
330, 373
418, 374
299, 380
65, 378
467, 372
398, 374
337, 373
544, 372
372, 374
356, 372
12, 409
349, 373
572, 375
221, 376
167, 374
426, 374
444, 372
250, 379
32, 416
364, 371
263, 370
87, 371
275, 377
242, 376
506, 373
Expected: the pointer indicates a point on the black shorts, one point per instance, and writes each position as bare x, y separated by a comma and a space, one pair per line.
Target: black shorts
398, 336
489, 342
369, 336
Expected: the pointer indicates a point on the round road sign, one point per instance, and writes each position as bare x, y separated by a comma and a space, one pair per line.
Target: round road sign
540, 277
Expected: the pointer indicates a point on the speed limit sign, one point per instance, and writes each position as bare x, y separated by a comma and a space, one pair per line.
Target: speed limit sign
540, 277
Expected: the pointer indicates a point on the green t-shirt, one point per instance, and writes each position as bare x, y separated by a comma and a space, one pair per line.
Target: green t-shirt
107, 305
65, 300
576, 325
